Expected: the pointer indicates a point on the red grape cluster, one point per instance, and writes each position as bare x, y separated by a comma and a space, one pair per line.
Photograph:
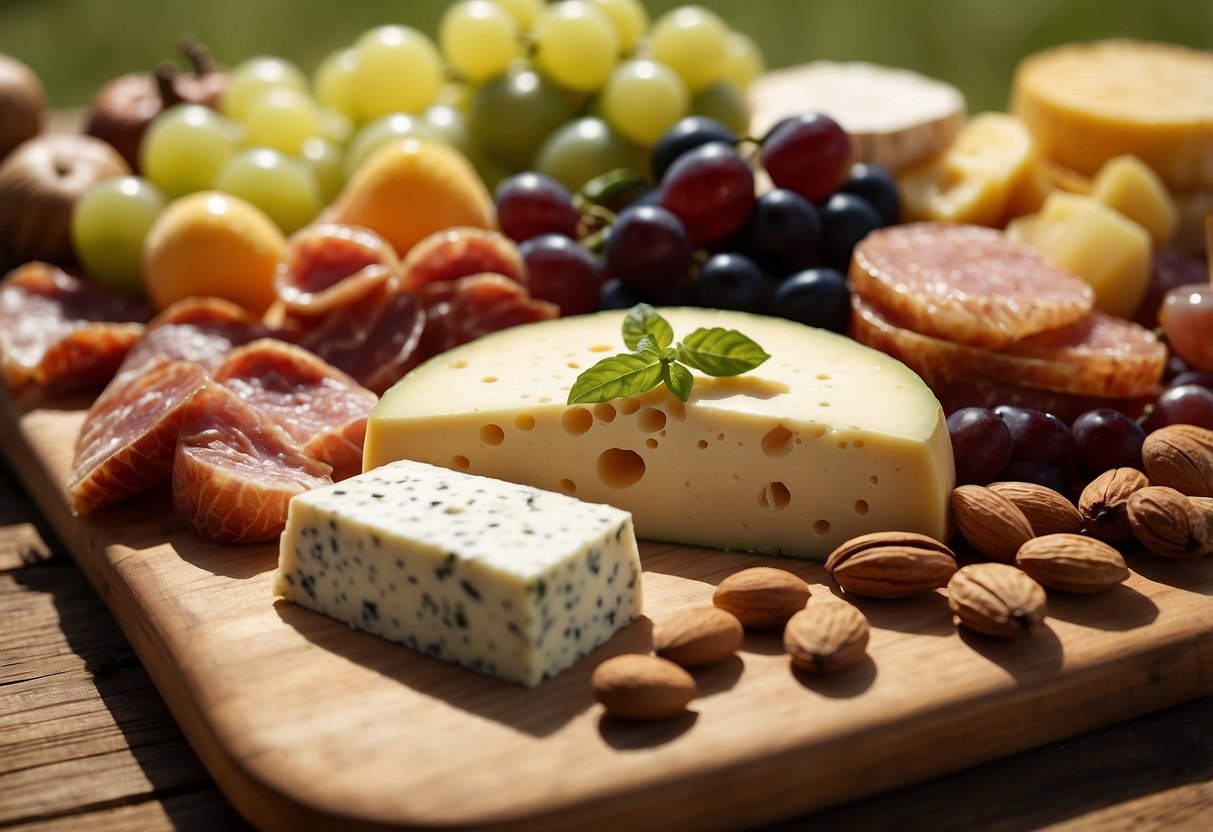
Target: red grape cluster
703, 235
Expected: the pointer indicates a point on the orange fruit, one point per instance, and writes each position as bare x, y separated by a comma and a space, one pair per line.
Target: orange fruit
212, 244
411, 188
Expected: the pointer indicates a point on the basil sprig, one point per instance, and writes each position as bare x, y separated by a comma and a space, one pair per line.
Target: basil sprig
655, 359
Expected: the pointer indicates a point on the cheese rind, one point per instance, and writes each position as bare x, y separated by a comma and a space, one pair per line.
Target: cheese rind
826, 440
504, 579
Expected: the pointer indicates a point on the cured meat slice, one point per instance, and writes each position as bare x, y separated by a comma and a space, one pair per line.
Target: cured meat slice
235, 471
459, 311
203, 330
129, 436
322, 408
329, 266
966, 284
460, 252
63, 332
1099, 355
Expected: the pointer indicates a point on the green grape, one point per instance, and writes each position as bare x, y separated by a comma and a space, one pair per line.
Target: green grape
457, 94
643, 99
334, 126
743, 61
185, 146
326, 161
109, 224
511, 115
333, 82
255, 76
479, 39
691, 40
375, 135
575, 45
524, 12
282, 119
583, 149
725, 103
450, 125
398, 70
630, 19
282, 187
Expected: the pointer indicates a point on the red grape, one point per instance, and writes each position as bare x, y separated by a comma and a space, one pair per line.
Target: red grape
784, 232
1168, 269
1197, 377
1040, 473
1187, 318
530, 204
648, 251
808, 154
1104, 439
562, 271
1037, 436
686, 134
1190, 404
711, 189
981, 444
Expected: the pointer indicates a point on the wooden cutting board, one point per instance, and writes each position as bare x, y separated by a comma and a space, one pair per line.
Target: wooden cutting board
305, 722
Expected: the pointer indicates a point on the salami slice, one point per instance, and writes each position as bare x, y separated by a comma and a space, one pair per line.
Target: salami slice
329, 266
965, 284
61, 332
1098, 355
459, 311
202, 330
460, 252
320, 407
235, 471
129, 436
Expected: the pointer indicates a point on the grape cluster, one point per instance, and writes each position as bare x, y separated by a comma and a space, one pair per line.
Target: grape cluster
703, 234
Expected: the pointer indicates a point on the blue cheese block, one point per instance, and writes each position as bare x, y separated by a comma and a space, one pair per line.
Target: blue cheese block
505, 579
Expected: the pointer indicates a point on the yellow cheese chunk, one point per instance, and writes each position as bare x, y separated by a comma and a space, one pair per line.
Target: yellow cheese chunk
1080, 233
826, 440
1130, 186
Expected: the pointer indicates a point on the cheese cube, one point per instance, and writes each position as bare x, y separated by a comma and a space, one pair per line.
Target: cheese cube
826, 440
1131, 187
504, 579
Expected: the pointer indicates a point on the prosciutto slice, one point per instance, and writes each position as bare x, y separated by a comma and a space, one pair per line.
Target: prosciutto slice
202, 330
62, 332
320, 407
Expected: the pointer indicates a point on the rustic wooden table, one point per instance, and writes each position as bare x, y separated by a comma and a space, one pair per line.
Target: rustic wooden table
87, 742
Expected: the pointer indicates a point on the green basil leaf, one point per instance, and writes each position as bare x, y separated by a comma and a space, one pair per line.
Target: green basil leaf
721, 352
647, 347
678, 378
642, 320
611, 378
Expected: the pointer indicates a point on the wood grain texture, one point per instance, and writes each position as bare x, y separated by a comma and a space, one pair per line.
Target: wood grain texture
302, 720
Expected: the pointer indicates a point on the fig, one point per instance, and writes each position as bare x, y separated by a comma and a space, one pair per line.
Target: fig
22, 104
40, 183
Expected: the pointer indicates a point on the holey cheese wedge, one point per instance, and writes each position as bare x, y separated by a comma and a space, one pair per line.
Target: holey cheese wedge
826, 440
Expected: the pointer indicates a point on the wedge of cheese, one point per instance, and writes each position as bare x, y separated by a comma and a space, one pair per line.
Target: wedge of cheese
504, 579
826, 440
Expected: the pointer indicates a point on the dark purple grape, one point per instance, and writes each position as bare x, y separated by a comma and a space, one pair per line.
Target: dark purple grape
845, 220
816, 297
614, 295
876, 184
1038, 436
562, 271
1040, 473
1104, 439
981, 445
730, 281
687, 134
711, 189
808, 154
530, 204
1197, 377
648, 251
1186, 404
784, 232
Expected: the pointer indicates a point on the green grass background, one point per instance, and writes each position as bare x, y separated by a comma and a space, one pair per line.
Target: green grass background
75, 45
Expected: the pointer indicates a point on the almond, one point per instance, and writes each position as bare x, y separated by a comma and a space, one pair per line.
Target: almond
989, 521
825, 636
1168, 523
891, 564
762, 597
1103, 504
1181, 457
698, 636
1047, 511
1072, 563
640, 687
996, 599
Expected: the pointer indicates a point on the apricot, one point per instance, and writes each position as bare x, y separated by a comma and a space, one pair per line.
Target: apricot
212, 244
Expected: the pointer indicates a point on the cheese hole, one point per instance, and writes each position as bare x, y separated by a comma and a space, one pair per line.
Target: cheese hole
545, 399
861, 507
460, 462
576, 421
875, 480
817, 431
650, 443
676, 409
822, 527
492, 435
842, 445
601, 348
619, 468
651, 420
604, 412
858, 443
629, 406
568, 486
573, 365
701, 444
458, 365
823, 376
489, 379
524, 421
777, 441
720, 437
823, 404
774, 496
